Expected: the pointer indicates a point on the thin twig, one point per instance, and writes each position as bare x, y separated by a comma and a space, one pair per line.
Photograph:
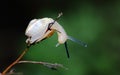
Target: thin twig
15, 62
54, 66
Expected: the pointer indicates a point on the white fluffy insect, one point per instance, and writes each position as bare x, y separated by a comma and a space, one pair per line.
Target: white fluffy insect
40, 29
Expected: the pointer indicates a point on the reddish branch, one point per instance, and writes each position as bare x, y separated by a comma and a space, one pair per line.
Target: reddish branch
15, 62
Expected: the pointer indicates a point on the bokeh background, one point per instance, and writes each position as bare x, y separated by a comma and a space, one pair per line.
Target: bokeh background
96, 22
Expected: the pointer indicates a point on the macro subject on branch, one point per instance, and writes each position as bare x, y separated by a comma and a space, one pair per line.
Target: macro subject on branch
39, 30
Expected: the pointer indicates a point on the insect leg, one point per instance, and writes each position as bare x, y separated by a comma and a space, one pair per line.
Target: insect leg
67, 50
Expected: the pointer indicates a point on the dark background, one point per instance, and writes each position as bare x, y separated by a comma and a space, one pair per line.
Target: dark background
97, 22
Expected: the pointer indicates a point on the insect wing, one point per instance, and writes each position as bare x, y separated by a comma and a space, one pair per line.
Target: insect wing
77, 41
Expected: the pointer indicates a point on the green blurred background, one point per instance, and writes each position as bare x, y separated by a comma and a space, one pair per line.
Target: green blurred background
96, 22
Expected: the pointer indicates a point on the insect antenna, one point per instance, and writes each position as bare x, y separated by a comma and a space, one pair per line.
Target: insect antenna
50, 24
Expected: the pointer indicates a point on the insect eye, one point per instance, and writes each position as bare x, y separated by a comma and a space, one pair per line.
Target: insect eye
50, 24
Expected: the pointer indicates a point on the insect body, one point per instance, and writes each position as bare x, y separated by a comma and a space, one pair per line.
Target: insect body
40, 29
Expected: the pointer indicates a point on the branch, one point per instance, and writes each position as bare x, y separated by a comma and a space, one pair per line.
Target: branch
15, 62
13, 73
54, 66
